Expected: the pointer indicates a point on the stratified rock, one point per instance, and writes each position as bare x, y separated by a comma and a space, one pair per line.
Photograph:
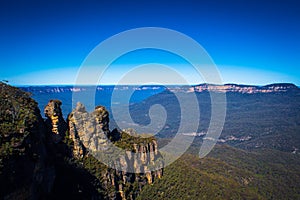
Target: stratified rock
55, 121
246, 89
88, 130
135, 155
38, 162
102, 118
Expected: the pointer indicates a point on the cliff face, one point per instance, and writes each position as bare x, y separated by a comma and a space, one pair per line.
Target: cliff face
248, 89
51, 158
88, 130
90, 133
56, 125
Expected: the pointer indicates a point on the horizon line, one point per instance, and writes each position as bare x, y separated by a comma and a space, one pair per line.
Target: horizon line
111, 84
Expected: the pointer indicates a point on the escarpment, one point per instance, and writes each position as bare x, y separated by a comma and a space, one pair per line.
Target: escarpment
245, 89
52, 158
25, 170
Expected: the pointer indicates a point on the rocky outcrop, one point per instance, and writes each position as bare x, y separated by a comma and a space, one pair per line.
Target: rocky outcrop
88, 130
140, 166
51, 158
139, 163
55, 121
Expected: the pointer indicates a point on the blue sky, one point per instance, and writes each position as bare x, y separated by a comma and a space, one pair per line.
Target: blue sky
251, 41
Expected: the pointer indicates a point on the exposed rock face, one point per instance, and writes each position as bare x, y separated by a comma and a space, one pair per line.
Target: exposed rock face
144, 161
248, 89
53, 159
90, 133
55, 121
88, 130
102, 118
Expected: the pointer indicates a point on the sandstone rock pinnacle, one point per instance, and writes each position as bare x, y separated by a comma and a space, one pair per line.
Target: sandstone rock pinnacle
55, 121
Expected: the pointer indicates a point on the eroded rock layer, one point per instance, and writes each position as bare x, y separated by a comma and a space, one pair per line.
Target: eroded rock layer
55, 122
54, 159
133, 160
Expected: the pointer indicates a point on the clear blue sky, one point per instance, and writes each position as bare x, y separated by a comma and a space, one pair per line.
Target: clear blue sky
251, 41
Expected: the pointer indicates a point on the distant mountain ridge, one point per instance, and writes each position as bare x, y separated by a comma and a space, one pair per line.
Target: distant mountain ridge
103, 93
76, 88
264, 125
56, 159
276, 87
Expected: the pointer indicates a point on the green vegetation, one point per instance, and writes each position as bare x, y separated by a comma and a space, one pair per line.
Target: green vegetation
229, 173
17, 119
276, 174
271, 120
20, 141
192, 178
263, 167
128, 138
93, 177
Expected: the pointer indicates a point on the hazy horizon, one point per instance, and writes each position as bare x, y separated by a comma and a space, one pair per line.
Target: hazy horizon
145, 85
